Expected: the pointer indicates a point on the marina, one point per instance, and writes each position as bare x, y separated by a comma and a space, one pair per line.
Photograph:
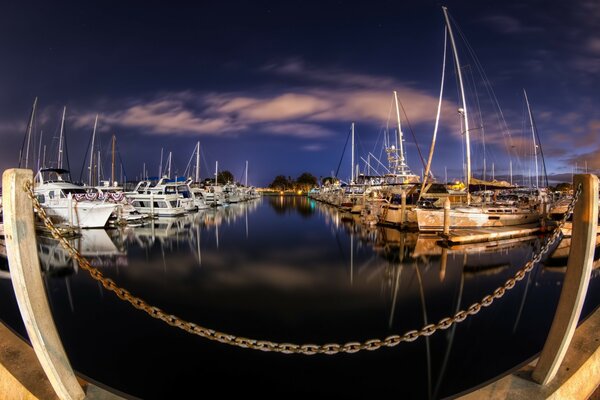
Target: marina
279, 200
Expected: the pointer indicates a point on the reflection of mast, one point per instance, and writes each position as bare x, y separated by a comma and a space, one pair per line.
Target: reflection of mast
425, 322
352, 254
451, 333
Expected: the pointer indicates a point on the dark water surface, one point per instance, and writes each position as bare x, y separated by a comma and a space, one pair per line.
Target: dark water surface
288, 269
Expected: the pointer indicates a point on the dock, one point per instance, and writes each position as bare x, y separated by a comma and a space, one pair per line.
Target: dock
479, 235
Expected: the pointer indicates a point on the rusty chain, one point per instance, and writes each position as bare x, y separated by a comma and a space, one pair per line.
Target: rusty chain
292, 348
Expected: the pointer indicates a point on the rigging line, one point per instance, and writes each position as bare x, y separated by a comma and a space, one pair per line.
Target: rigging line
343, 152
473, 88
386, 139
25, 136
539, 143
499, 113
412, 133
189, 164
122, 168
204, 159
87, 149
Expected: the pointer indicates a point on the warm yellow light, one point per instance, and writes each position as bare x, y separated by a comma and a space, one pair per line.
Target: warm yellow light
299, 191
281, 192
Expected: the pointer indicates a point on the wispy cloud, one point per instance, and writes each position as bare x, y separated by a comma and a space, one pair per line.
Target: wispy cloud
509, 25
325, 96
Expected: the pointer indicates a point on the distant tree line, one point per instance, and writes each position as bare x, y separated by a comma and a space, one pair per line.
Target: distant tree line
304, 182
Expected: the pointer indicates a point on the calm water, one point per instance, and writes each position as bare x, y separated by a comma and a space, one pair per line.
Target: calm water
288, 269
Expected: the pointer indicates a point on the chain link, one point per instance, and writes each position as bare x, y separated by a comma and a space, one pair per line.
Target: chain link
292, 348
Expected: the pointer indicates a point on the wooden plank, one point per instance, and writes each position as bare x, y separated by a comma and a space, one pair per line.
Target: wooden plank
29, 287
577, 278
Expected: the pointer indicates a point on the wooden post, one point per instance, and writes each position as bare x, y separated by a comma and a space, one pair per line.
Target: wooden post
29, 289
403, 208
577, 278
446, 216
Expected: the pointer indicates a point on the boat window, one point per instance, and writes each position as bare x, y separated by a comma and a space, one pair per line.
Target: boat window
51, 194
173, 203
170, 190
160, 204
41, 198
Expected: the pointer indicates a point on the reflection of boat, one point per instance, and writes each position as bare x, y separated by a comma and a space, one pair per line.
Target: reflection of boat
95, 245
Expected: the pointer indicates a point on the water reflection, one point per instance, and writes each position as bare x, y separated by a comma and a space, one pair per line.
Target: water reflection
286, 268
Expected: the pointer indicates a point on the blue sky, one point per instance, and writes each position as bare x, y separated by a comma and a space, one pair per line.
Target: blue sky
278, 83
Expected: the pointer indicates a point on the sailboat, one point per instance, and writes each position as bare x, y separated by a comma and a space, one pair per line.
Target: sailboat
471, 216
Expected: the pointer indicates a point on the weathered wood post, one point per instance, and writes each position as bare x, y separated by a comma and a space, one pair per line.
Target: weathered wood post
446, 216
577, 278
403, 219
29, 289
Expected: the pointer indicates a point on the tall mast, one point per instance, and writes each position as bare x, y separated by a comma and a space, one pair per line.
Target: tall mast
352, 158
400, 139
91, 167
169, 165
112, 168
535, 146
160, 165
98, 166
29, 133
463, 110
216, 171
40, 150
246, 177
60, 138
198, 162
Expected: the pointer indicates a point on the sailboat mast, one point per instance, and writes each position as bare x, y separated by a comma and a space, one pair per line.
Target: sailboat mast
216, 171
92, 152
246, 175
400, 139
352, 158
198, 162
112, 168
160, 165
40, 149
60, 138
463, 110
29, 133
535, 146
169, 165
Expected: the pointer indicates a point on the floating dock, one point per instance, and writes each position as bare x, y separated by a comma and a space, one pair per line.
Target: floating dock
479, 235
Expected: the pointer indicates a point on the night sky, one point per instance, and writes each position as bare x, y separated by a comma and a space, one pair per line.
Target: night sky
278, 83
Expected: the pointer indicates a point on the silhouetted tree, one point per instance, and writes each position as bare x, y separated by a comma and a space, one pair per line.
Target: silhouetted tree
280, 183
225, 176
306, 181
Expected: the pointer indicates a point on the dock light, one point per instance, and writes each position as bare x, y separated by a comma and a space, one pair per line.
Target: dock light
281, 192
299, 191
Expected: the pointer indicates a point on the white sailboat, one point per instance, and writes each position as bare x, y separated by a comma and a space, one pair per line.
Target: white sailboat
471, 216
